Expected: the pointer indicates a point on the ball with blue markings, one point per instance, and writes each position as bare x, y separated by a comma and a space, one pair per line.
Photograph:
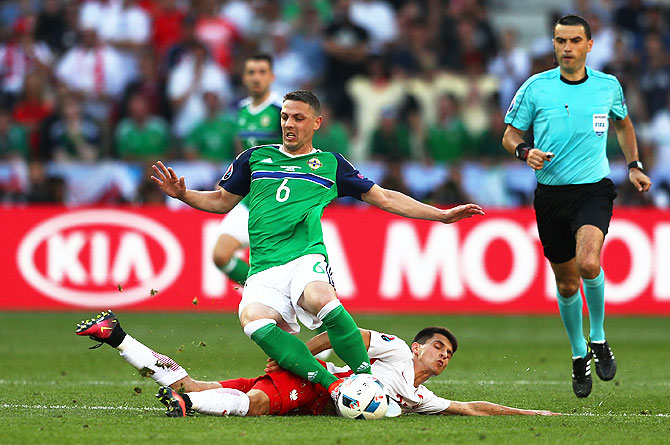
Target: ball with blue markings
362, 396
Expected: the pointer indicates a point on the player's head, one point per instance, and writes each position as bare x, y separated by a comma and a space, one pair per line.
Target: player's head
258, 76
572, 42
432, 348
300, 118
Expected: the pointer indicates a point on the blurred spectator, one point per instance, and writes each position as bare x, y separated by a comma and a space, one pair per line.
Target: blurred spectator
51, 25
33, 107
213, 138
241, 13
217, 33
142, 136
414, 54
346, 48
451, 191
393, 178
655, 75
71, 134
194, 75
13, 138
377, 17
21, 55
630, 16
604, 40
658, 133
488, 145
44, 189
371, 94
308, 39
333, 135
292, 71
167, 20
121, 24
95, 71
511, 66
390, 141
295, 11
150, 84
176, 52
447, 137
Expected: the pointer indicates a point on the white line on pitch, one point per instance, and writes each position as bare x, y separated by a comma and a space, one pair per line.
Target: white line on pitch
105, 408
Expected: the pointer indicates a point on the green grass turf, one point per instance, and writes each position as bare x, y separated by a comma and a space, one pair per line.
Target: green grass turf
55, 390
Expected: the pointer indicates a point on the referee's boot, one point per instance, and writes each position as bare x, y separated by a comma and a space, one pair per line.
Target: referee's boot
604, 359
581, 375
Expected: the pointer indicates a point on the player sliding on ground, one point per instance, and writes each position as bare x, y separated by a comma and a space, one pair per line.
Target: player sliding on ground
401, 368
288, 186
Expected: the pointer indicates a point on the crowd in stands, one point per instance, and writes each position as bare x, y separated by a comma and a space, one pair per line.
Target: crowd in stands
414, 91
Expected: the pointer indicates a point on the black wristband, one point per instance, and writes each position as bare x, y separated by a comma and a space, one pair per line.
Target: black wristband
521, 151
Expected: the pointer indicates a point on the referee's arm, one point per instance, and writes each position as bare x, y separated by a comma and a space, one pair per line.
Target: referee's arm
625, 134
534, 157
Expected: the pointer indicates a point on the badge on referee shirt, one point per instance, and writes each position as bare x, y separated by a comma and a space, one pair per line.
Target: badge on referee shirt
600, 124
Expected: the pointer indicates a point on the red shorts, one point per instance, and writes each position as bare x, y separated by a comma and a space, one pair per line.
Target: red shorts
288, 393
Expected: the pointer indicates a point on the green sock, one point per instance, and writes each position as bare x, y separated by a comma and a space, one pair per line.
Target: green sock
571, 314
236, 269
292, 354
346, 340
594, 294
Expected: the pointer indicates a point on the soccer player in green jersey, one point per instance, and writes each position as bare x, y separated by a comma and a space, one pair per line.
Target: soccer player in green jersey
257, 124
569, 108
289, 185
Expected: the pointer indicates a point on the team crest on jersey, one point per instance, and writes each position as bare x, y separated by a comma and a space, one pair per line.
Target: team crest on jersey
600, 124
314, 163
228, 173
265, 121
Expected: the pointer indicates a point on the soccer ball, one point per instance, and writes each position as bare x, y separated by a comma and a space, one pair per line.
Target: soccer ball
362, 396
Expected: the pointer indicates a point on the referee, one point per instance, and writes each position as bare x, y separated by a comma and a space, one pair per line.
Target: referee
569, 108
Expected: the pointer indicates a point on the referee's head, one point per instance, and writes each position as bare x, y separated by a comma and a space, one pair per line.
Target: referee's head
574, 20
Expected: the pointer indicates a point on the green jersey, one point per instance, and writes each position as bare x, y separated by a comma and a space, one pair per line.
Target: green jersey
213, 139
259, 125
148, 141
287, 196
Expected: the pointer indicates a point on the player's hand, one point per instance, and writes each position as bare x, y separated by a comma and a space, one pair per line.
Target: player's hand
167, 180
536, 158
640, 181
272, 366
460, 212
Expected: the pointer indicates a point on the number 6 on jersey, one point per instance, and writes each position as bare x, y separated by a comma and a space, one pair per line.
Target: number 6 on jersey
283, 191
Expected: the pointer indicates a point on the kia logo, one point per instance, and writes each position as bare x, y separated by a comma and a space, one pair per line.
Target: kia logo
79, 258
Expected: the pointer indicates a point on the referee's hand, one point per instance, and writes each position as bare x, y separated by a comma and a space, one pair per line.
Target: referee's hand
640, 181
537, 157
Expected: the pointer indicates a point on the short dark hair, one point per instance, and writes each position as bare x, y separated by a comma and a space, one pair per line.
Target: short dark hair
307, 97
261, 57
574, 20
427, 333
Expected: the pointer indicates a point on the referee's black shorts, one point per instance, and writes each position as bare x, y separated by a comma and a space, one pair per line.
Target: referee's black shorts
562, 209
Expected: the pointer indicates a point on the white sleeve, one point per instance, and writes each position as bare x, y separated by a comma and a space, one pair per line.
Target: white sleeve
429, 403
138, 27
388, 347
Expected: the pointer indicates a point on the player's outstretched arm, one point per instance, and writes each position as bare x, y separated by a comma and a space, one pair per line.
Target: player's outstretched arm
403, 205
491, 409
625, 134
218, 201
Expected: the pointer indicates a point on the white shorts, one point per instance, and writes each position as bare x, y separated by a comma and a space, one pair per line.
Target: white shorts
281, 287
236, 224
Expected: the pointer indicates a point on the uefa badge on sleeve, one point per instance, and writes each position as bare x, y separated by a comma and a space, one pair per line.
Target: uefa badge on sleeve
600, 124
228, 173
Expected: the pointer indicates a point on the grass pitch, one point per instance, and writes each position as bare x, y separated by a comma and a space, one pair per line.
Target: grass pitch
55, 390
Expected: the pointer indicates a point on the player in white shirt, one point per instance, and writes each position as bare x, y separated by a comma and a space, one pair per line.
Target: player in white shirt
401, 368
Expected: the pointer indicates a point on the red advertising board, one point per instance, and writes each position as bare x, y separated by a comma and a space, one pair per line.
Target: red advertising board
160, 259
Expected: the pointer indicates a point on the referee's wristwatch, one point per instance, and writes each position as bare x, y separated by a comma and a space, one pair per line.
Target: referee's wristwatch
521, 151
637, 165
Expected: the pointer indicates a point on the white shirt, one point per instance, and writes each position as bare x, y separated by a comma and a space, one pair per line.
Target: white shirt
92, 70
213, 79
392, 364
